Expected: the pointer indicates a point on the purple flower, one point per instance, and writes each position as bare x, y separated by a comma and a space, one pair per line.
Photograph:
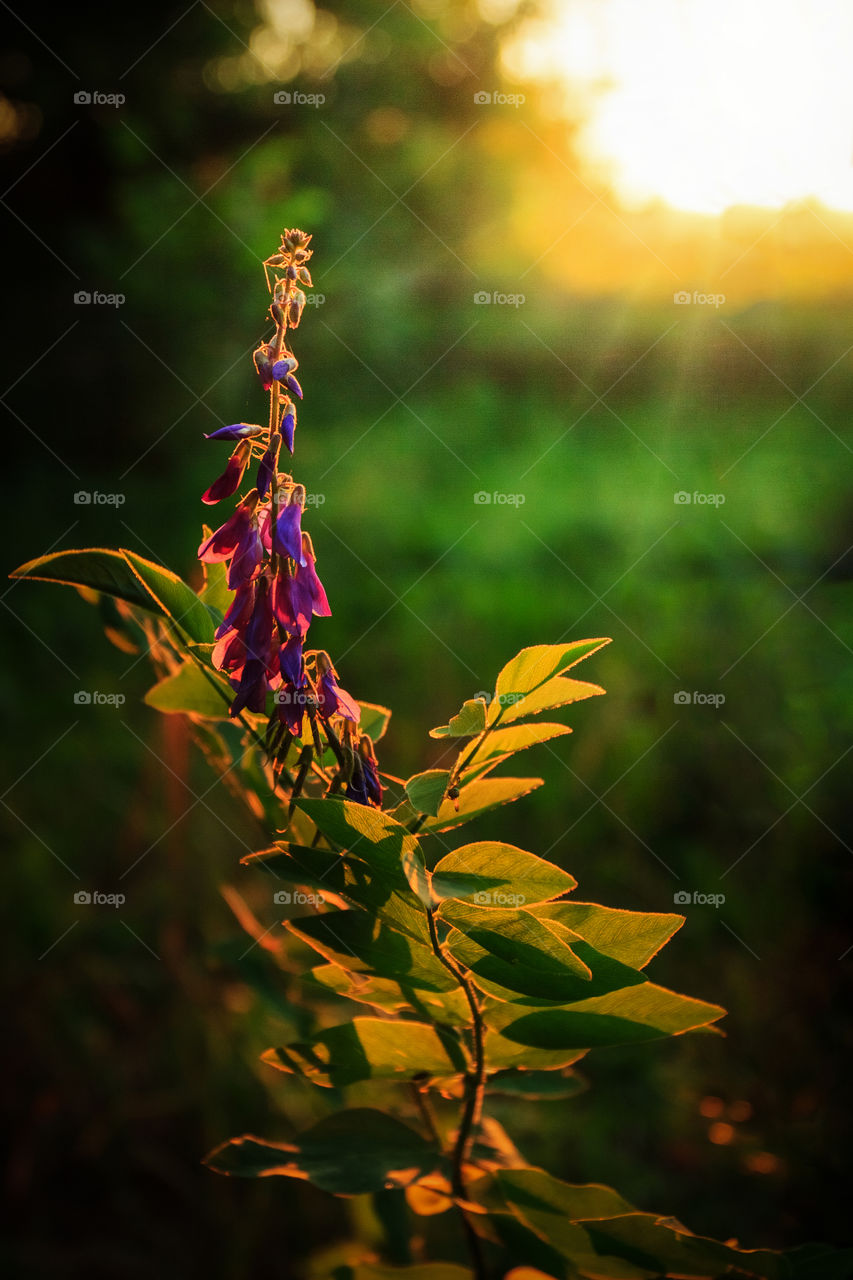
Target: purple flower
292, 385
283, 367
252, 689
356, 788
222, 544
287, 426
332, 700
229, 481
247, 557
263, 364
371, 779
268, 465
287, 534
309, 583
260, 628
229, 653
292, 610
290, 660
239, 611
291, 703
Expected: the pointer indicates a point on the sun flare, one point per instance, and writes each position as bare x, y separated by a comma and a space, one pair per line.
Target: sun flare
704, 104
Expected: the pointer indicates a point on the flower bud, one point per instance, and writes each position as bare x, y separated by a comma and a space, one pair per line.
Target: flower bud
263, 363
237, 431
287, 426
283, 367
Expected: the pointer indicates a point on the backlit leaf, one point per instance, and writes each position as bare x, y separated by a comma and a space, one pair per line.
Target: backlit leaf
498, 871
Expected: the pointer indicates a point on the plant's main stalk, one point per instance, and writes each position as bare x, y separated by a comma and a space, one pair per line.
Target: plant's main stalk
260, 644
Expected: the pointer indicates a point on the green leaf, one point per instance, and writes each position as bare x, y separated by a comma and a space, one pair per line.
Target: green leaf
426, 790
371, 1049
500, 744
470, 719
374, 836
192, 692
449, 1007
215, 593
633, 937
377, 889
538, 1086
350, 1153
130, 577
503, 1055
355, 941
374, 720
601, 1234
479, 798
558, 692
533, 667
627, 1016
515, 950
499, 870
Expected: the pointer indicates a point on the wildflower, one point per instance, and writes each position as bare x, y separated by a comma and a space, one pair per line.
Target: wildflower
248, 557
284, 366
239, 611
229, 481
290, 660
331, 698
268, 465
287, 532
222, 544
263, 363
287, 426
237, 431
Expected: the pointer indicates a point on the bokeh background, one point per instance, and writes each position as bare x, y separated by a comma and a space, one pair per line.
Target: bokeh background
580, 166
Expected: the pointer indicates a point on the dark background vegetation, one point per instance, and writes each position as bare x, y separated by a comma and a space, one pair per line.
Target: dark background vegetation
133, 1034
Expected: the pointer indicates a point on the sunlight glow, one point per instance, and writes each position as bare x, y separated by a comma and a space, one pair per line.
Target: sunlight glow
704, 104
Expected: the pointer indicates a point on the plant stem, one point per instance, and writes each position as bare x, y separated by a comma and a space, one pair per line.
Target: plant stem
472, 1109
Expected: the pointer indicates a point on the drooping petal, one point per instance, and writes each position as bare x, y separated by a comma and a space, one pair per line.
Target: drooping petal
333, 700
239, 611
224, 541
290, 660
260, 628
247, 558
287, 535
229, 653
267, 467
307, 574
253, 688
229, 481
283, 367
292, 385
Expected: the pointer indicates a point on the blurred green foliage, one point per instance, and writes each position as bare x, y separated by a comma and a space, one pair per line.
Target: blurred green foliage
136, 1035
